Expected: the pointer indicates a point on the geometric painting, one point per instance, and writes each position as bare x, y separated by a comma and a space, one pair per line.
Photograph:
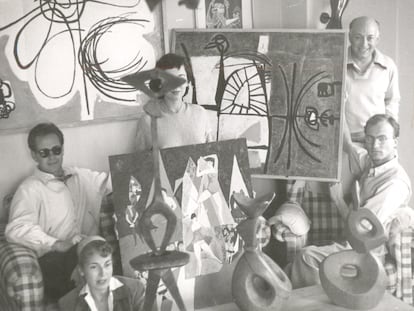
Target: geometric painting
63, 61
197, 183
281, 90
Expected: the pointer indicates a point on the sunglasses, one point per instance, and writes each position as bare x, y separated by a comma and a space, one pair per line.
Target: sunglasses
44, 153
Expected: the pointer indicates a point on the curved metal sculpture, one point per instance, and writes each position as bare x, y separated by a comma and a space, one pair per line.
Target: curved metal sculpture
334, 20
258, 283
159, 262
356, 279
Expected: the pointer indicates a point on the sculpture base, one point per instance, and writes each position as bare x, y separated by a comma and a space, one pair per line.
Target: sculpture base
169, 259
159, 268
353, 280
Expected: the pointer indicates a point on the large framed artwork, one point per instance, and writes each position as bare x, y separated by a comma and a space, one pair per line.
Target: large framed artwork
198, 182
63, 61
281, 90
213, 14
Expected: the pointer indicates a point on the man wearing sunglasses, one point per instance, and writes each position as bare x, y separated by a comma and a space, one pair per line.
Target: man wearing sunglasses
384, 189
53, 209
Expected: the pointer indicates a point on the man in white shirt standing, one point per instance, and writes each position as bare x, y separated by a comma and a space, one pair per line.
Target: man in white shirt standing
371, 78
53, 209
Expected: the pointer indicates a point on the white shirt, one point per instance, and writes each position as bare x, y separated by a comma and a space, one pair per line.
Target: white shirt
113, 285
370, 92
190, 125
45, 209
383, 189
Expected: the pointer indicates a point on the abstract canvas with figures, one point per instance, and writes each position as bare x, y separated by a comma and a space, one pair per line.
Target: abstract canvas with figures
197, 183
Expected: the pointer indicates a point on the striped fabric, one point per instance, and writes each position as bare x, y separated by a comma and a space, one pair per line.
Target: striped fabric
21, 282
294, 242
21, 278
327, 224
327, 227
404, 265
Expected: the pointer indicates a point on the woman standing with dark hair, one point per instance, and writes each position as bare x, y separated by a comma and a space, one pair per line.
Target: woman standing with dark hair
180, 123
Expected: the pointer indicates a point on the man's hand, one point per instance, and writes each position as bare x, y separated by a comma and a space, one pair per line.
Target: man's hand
77, 238
347, 142
62, 246
337, 196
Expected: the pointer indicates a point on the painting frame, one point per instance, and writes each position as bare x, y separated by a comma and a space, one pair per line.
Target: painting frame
246, 14
314, 109
200, 179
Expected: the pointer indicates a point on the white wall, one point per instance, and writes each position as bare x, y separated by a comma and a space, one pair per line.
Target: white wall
90, 145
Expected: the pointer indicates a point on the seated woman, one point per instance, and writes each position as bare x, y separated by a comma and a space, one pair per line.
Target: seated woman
101, 291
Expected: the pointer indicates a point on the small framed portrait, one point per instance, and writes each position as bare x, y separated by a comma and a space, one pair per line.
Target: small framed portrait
230, 14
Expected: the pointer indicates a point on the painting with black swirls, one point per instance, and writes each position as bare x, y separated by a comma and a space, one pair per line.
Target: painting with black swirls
64, 61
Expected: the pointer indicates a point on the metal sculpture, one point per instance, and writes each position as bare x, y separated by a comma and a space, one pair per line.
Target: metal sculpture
356, 279
334, 21
159, 261
258, 283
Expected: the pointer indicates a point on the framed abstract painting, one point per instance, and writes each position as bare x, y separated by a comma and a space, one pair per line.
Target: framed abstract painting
198, 182
63, 61
230, 14
282, 90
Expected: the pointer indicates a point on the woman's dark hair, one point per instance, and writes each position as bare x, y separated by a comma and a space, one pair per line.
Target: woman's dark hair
103, 248
41, 130
171, 60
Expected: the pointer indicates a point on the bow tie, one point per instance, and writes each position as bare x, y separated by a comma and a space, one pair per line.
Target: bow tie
64, 178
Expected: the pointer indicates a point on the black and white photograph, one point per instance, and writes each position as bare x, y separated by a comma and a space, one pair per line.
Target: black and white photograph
206, 155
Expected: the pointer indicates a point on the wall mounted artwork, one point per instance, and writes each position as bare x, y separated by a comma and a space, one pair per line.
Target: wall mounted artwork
63, 61
224, 14
281, 90
198, 182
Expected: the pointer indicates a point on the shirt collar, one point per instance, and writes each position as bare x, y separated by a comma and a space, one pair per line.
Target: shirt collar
379, 59
46, 177
114, 284
374, 171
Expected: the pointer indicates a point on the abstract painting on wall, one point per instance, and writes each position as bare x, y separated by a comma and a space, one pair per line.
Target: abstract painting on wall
281, 90
198, 182
63, 61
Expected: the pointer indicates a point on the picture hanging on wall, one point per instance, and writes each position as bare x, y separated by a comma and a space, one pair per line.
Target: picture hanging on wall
230, 14
280, 89
63, 62
198, 182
